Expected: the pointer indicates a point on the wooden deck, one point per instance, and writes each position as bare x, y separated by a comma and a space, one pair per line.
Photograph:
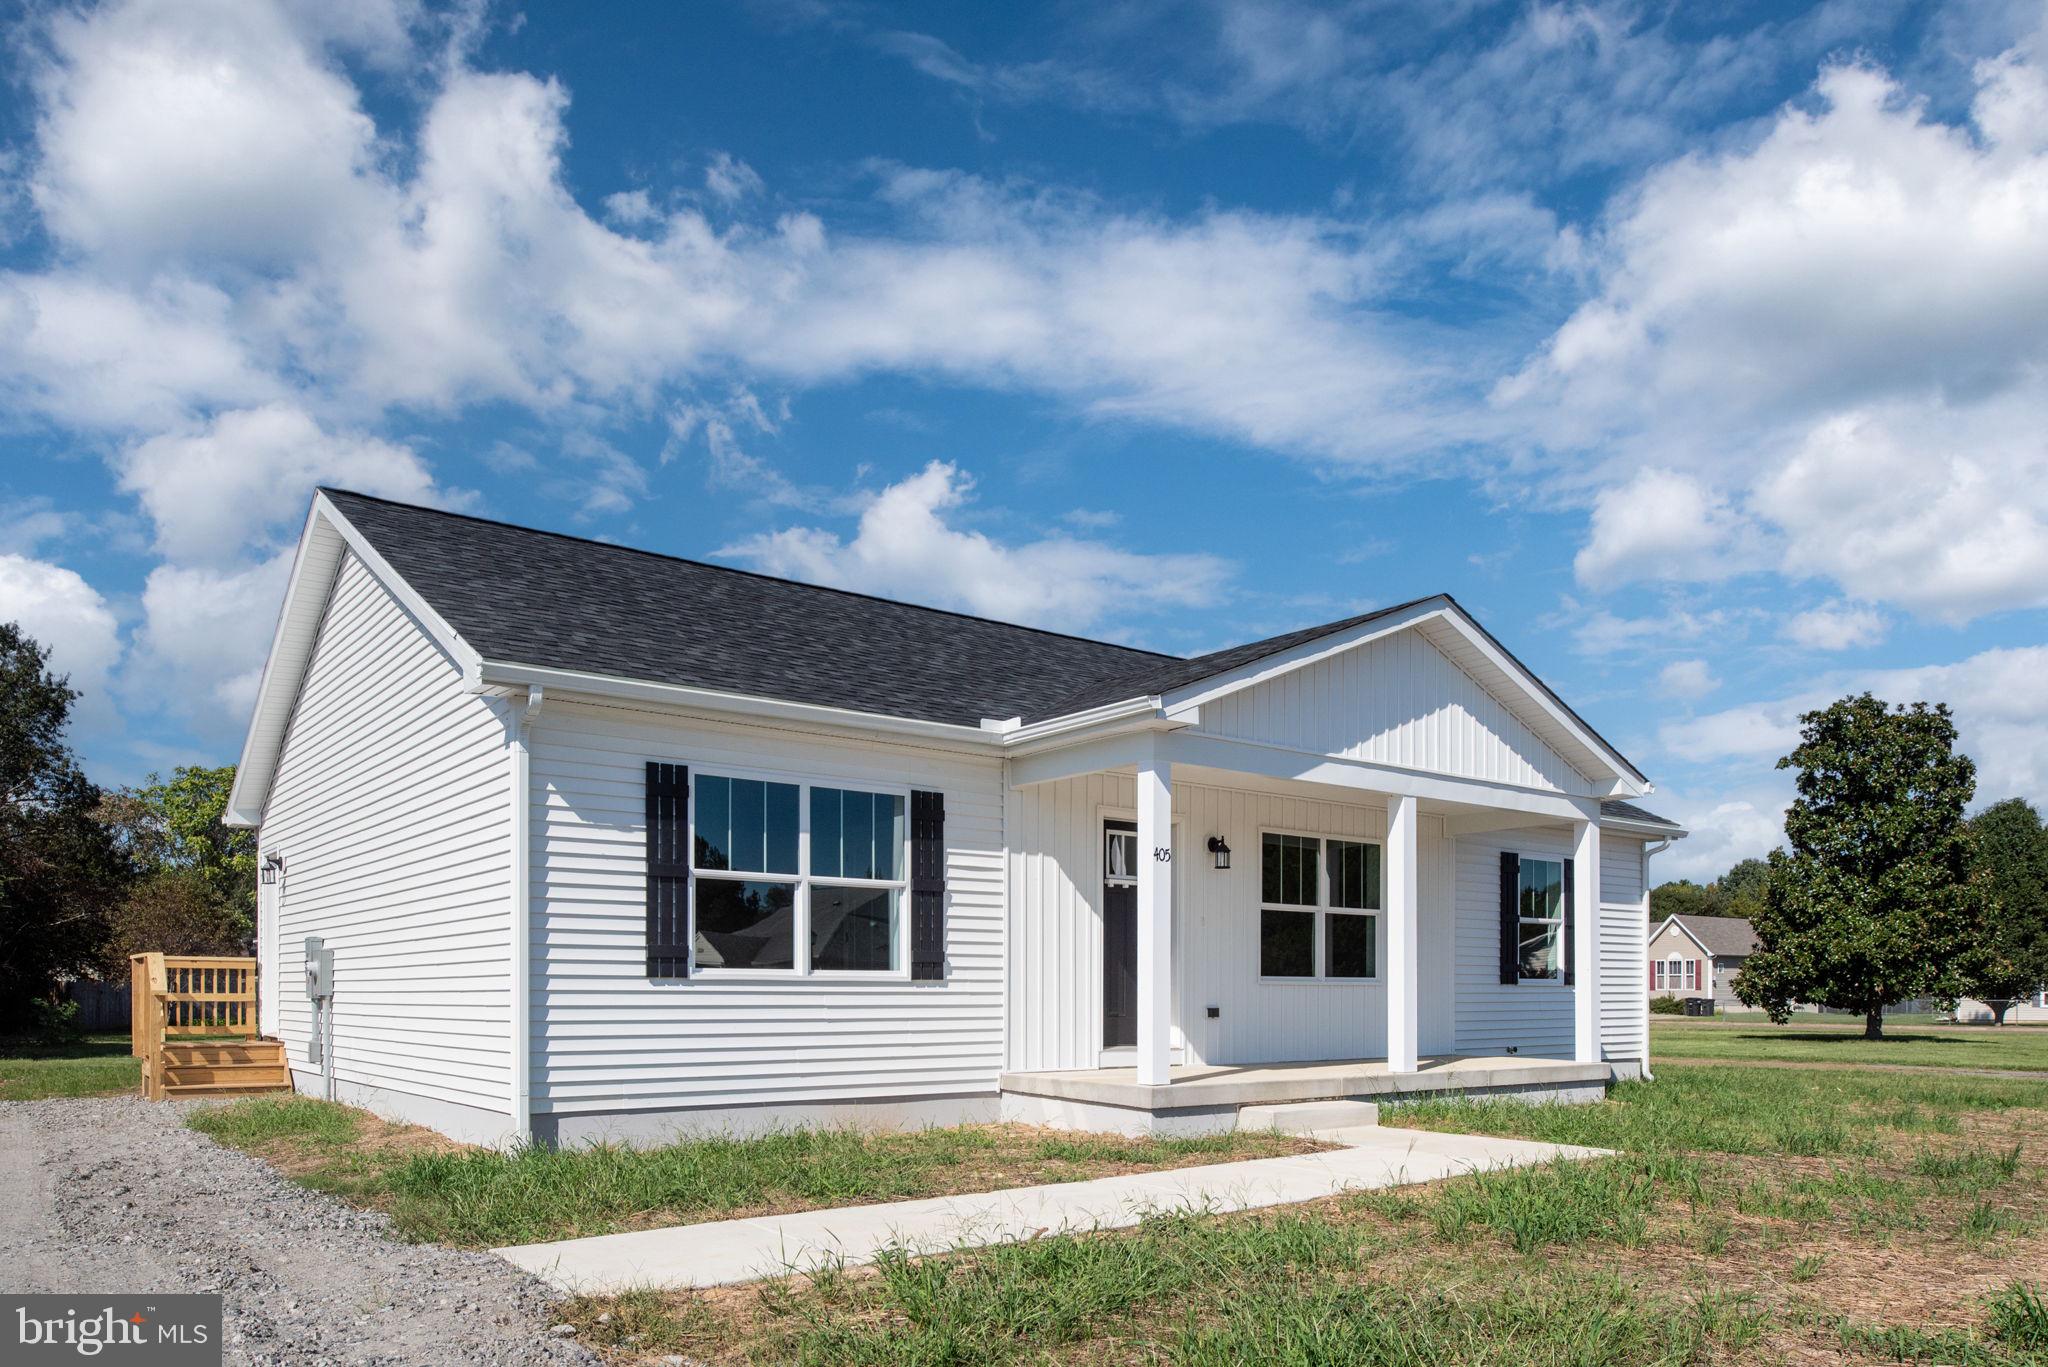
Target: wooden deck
194, 1028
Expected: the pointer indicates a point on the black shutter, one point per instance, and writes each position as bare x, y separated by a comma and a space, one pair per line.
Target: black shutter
668, 870
1510, 917
927, 885
1571, 921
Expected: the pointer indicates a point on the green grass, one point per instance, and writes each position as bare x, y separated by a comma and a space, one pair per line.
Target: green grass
484, 1198
97, 1065
1743, 1207
2010, 1048
1785, 1112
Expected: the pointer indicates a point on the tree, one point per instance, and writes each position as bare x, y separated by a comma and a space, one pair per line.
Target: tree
2011, 863
1742, 887
195, 879
1873, 904
59, 870
1683, 897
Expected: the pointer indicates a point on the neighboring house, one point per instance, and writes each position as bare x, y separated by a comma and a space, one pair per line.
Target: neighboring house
607, 844
2029, 1010
1699, 956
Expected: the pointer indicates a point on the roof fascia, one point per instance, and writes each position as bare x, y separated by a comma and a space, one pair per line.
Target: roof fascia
1655, 830
1686, 931
284, 667
606, 687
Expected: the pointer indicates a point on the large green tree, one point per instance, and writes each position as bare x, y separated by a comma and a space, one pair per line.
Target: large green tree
1738, 892
60, 873
1873, 904
2011, 864
195, 879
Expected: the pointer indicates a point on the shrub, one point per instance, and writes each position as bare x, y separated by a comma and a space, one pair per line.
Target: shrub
1666, 1005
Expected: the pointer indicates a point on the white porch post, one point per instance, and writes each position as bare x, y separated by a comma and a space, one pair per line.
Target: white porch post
1403, 962
1586, 942
1155, 915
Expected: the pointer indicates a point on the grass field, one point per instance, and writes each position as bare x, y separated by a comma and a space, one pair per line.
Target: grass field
1754, 1215
97, 1065
435, 1189
1914, 1046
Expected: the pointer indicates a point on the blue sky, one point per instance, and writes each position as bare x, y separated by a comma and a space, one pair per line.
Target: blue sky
1701, 350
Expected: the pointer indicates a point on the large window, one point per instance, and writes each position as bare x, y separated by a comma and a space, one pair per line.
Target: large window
1319, 901
1541, 912
796, 877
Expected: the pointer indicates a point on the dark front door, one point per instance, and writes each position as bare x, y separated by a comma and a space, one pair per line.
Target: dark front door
1119, 965
1119, 935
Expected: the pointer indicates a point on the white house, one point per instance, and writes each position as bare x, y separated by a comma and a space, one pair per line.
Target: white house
609, 844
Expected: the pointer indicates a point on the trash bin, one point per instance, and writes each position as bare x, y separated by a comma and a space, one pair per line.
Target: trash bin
1699, 1006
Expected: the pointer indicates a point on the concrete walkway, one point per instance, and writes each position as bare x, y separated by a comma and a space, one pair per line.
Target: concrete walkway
728, 1251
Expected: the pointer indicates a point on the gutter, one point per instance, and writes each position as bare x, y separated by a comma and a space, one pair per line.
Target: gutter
519, 720
1648, 850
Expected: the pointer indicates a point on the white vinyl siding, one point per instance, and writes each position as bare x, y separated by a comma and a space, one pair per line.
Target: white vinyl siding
608, 1039
1624, 918
1397, 700
1055, 995
1535, 1016
392, 810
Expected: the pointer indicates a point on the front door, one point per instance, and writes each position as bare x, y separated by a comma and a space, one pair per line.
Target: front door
1119, 935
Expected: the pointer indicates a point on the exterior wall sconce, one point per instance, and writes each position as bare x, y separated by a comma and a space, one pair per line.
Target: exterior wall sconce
1220, 850
273, 864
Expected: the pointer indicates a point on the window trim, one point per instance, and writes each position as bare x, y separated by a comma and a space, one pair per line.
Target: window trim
1557, 979
801, 968
1321, 910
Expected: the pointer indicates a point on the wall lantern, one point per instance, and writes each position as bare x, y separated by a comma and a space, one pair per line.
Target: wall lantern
273, 864
1220, 850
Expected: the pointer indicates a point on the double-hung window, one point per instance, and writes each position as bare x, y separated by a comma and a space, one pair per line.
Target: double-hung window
1319, 903
797, 877
1540, 910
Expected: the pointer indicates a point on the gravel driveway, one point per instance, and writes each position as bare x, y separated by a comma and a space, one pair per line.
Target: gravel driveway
116, 1195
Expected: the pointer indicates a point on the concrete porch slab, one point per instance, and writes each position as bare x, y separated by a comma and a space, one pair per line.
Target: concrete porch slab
1207, 1095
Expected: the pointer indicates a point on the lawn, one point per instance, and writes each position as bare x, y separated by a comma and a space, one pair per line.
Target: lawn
435, 1189
1754, 1215
1914, 1046
96, 1065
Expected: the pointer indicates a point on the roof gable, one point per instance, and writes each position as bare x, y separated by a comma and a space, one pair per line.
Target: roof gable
1393, 699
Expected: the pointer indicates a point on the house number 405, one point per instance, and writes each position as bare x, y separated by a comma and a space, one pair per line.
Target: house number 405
1162, 854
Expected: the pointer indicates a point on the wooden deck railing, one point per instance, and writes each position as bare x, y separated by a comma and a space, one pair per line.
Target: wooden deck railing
180, 995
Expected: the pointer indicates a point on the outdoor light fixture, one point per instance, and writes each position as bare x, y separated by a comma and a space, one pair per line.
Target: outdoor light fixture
273, 864
1220, 850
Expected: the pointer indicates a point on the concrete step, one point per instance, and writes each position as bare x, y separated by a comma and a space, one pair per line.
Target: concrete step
1306, 1117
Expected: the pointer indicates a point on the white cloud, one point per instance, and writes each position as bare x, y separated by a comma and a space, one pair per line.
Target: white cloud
1662, 525
1721, 832
1687, 679
730, 180
218, 490
1598, 631
1832, 335
1835, 626
906, 547
64, 613
199, 652
2001, 715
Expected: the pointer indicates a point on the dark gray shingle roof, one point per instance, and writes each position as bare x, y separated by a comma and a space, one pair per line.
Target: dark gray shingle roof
1614, 809
520, 596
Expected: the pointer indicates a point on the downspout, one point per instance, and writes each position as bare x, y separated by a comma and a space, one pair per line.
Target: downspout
517, 727
1648, 850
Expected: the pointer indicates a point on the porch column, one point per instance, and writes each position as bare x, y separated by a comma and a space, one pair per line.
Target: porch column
1586, 941
1403, 962
1155, 915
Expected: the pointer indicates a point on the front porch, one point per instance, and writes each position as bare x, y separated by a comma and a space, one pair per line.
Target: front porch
1206, 1098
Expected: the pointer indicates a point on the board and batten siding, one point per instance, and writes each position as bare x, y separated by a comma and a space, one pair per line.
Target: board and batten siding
1397, 700
1055, 1001
391, 807
609, 1040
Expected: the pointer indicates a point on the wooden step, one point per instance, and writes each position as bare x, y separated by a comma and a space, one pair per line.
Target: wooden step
228, 1075
269, 1052
251, 1089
